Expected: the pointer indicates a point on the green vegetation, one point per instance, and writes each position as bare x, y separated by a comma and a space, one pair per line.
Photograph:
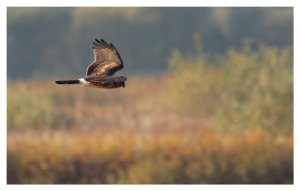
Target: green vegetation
44, 105
244, 89
227, 120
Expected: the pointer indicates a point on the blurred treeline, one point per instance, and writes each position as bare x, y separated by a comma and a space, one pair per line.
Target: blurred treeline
45, 42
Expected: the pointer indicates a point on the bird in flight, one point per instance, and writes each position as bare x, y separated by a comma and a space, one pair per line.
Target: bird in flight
100, 73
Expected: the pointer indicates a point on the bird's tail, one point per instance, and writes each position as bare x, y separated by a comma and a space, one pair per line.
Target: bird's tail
67, 82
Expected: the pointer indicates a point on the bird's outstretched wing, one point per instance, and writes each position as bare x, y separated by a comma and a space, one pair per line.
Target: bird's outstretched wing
107, 60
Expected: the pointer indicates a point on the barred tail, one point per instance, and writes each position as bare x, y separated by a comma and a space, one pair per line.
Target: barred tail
67, 82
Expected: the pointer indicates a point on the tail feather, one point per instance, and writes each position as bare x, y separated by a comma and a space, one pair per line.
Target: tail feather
67, 82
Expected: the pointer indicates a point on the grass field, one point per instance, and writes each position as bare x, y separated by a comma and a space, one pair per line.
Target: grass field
176, 157
227, 122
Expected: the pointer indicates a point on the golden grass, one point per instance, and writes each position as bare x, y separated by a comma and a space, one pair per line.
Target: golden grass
124, 156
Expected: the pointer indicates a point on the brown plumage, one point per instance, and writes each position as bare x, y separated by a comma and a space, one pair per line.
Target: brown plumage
100, 73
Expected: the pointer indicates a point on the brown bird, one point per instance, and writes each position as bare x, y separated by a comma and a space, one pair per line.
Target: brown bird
100, 73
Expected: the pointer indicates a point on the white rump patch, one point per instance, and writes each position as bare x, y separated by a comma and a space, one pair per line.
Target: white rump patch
83, 81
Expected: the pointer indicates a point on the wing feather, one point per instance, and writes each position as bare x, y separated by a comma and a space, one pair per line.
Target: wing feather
107, 59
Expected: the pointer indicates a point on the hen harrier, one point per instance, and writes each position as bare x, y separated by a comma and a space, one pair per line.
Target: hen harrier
107, 61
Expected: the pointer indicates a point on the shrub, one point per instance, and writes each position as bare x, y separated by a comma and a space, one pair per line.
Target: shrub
243, 89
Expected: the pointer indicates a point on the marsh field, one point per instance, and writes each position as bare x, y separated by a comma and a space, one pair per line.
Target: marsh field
204, 121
